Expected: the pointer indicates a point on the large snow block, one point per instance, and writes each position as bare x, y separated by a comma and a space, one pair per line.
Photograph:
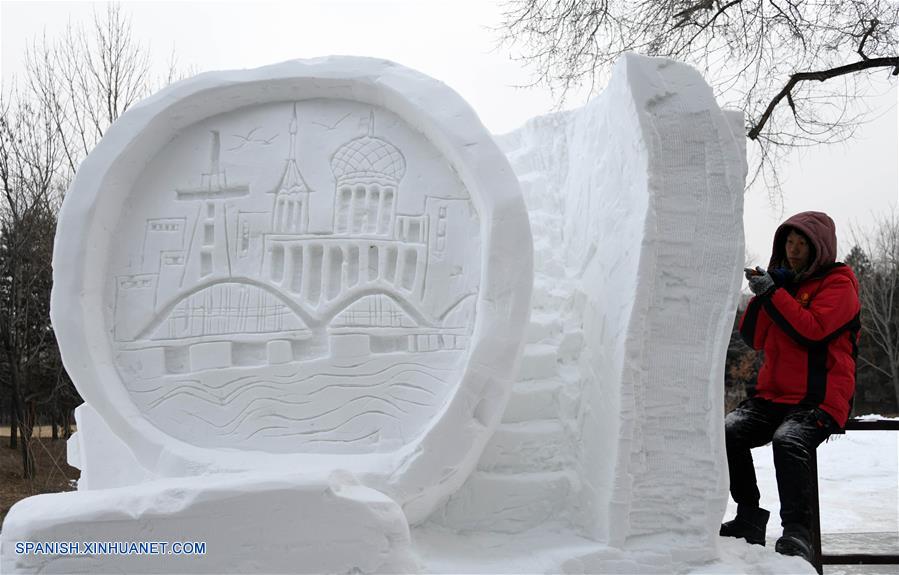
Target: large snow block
649, 177
230, 524
654, 223
105, 460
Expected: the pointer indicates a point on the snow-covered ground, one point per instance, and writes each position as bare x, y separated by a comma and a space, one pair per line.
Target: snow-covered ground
858, 476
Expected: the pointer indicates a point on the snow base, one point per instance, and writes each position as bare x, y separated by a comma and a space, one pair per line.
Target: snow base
249, 524
555, 548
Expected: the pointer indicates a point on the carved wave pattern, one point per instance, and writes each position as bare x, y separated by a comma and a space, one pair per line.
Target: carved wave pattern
320, 408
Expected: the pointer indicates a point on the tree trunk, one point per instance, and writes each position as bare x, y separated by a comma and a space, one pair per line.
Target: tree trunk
895, 378
27, 457
25, 422
25, 436
13, 427
67, 423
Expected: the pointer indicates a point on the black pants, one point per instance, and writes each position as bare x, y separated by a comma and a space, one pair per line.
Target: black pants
794, 432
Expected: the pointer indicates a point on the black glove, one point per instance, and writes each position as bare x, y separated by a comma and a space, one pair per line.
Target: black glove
781, 276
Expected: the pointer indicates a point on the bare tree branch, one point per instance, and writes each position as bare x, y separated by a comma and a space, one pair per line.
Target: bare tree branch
821, 76
74, 88
877, 267
747, 49
865, 36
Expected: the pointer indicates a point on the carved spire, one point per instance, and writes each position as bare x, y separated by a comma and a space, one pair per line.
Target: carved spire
293, 133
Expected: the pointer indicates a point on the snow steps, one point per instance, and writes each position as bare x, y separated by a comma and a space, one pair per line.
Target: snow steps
534, 187
520, 160
538, 361
533, 400
529, 446
552, 284
546, 225
507, 503
548, 265
525, 475
548, 297
543, 326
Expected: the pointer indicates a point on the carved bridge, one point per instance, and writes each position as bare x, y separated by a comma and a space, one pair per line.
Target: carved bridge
306, 284
325, 274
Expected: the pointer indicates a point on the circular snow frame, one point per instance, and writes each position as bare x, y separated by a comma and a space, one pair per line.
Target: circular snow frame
421, 473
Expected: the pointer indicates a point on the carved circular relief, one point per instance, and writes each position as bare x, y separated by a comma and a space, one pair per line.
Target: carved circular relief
291, 263
295, 277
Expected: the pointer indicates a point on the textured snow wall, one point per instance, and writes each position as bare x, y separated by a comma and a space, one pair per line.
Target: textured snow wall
660, 304
615, 421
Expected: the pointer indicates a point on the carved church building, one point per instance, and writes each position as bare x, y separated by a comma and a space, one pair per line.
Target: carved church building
369, 245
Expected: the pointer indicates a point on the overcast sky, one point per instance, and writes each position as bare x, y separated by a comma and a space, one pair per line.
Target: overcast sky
452, 40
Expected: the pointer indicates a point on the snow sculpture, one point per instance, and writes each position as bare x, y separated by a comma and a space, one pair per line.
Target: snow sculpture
315, 266
609, 456
614, 428
672, 297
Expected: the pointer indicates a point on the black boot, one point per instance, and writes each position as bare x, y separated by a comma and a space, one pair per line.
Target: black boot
796, 541
749, 524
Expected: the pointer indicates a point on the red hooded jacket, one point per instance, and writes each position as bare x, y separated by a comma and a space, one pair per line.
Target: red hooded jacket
809, 328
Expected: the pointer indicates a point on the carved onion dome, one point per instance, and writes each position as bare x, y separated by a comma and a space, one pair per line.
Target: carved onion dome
367, 160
